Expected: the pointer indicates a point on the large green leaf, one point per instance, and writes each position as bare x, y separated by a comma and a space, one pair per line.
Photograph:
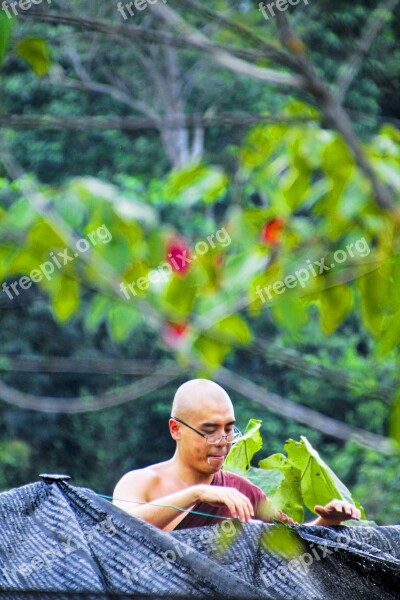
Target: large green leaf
319, 484
36, 53
268, 480
287, 496
243, 451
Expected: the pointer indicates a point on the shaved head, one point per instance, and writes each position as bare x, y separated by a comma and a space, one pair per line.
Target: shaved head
197, 395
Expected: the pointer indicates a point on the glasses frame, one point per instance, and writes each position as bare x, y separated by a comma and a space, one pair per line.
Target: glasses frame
236, 431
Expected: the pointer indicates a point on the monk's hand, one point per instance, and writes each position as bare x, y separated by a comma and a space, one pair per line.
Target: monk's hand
335, 512
269, 514
239, 505
282, 517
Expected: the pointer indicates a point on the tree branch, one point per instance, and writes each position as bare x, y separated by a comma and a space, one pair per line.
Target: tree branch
63, 364
286, 408
226, 56
85, 404
336, 116
349, 71
11, 121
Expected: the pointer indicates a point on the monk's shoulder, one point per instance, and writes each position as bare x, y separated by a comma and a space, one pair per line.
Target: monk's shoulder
143, 479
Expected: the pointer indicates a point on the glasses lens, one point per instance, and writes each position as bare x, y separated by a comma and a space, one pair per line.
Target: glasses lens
214, 438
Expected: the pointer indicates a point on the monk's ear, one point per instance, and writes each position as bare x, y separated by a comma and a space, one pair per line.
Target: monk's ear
174, 429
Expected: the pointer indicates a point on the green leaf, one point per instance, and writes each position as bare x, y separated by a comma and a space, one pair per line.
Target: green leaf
36, 53
233, 330
196, 183
390, 336
97, 313
122, 320
180, 296
319, 484
335, 303
243, 451
373, 288
287, 497
212, 352
267, 479
65, 300
6, 25
282, 540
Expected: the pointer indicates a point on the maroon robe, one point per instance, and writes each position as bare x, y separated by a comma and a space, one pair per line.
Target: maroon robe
225, 479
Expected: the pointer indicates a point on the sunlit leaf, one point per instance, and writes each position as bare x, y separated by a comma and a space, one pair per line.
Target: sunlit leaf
319, 484
335, 303
36, 53
6, 25
243, 451
282, 540
65, 300
287, 497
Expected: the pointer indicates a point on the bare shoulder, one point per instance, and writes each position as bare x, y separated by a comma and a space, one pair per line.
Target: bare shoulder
138, 482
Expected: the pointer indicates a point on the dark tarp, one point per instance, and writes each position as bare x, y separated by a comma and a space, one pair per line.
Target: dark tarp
58, 537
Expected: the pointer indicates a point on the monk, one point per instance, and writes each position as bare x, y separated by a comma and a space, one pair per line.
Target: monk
203, 425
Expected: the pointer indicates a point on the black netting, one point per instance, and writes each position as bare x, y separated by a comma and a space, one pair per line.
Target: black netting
60, 541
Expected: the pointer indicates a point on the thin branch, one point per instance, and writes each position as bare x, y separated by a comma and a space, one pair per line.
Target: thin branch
85, 404
349, 71
226, 56
107, 89
11, 121
334, 113
336, 377
63, 364
312, 418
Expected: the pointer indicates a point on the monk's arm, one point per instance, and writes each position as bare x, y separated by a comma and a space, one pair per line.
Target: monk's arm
131, 491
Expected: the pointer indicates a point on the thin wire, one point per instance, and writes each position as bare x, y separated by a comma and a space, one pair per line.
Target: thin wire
194, 512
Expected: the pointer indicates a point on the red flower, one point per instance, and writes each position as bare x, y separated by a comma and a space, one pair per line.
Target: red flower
178, 255
174, 333
272, 231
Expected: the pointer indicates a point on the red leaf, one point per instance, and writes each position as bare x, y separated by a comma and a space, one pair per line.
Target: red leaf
272, 231
174, 333
178, 255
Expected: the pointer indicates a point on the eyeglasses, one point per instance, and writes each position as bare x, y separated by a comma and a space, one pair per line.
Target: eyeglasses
215, 438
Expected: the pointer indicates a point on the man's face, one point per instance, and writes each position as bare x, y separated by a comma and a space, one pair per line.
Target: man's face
210, 417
